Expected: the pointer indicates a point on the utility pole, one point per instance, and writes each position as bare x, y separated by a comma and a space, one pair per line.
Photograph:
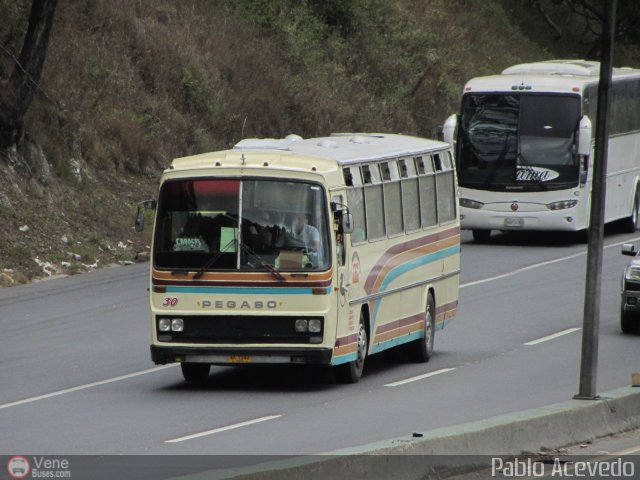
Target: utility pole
591, 320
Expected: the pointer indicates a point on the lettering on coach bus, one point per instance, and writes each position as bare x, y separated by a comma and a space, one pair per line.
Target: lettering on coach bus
240, 304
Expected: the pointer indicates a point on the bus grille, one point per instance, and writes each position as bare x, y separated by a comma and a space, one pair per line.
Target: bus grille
237, 329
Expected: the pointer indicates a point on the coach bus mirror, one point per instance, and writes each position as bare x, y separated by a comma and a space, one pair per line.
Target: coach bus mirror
449, 129
346, 223
142, 206
629, 249
584, 136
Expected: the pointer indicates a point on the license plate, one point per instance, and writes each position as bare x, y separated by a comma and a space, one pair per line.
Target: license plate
514, 222
239, 358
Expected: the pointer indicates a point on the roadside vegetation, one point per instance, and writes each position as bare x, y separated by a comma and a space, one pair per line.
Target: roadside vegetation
129, 85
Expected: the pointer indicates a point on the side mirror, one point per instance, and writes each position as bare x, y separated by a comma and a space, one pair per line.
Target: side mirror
146, 205
629, 249
584, 136
346, 224
449, 129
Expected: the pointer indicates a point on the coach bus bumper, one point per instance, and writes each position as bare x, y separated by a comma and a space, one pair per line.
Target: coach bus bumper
500, 219
231, 355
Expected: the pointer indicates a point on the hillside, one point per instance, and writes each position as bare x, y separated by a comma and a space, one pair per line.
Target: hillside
129, 85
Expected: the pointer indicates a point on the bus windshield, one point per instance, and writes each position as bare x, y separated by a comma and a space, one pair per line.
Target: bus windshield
518, 141
246, 225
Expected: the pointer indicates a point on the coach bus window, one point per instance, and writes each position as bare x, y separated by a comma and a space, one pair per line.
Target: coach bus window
207, 224
410, 193
427, 187
446, 196
374, 204
392, 198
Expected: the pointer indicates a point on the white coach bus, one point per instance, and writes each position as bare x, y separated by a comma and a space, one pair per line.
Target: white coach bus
524, 147
315, 251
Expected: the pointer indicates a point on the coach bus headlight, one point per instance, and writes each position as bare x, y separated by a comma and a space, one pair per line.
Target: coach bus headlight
315, 326
177, 325
468, 203
562, 205
302, 325
164, 324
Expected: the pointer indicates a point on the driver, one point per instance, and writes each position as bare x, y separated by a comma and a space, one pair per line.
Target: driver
307, 234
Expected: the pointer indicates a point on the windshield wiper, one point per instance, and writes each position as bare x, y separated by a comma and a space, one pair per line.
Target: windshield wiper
212, 261
246, 249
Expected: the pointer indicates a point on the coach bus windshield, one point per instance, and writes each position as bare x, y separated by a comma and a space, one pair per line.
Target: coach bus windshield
246, 225
518, 141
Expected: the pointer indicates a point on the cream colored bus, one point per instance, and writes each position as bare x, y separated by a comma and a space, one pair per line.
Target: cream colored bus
314, 251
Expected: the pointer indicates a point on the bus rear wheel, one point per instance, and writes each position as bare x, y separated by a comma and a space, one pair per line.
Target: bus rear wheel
634, 219
421, 350
352, 372
195, 372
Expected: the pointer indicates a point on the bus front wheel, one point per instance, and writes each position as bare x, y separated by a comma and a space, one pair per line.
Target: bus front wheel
421, 350
351, 372
195, 372
481, 235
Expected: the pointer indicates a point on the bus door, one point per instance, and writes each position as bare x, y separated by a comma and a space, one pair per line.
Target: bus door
342, 264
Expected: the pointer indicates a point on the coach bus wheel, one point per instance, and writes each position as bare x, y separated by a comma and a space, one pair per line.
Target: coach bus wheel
352, 372
195, 372
481, 235
632, 220
422, 349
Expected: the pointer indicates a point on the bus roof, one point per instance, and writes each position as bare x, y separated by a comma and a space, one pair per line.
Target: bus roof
557, 76
326, 152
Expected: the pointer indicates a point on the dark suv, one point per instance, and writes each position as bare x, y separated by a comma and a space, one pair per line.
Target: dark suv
630, 301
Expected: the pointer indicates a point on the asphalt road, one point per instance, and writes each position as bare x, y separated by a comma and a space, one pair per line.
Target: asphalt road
76, 377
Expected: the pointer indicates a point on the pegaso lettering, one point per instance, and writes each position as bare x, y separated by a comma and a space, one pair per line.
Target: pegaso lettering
240, 304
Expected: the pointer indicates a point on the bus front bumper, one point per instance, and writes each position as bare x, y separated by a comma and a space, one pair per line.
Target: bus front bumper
233, 356
486, 219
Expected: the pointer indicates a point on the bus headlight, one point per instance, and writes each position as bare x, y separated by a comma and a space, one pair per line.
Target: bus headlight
308, 325
164, 324
562, 205
315, 326
177, 325
468, 203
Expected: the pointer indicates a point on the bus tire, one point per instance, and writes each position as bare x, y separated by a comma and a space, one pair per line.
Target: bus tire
633, 219
481, 235
421, 350
195, 372
351, 372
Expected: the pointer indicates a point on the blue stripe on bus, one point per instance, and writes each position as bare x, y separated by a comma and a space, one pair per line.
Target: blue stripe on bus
340, 359
408, 266
244, 290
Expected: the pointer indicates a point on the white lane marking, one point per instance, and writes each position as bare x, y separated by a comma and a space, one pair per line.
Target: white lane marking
84, 387
223, 429
555, 335
419, 377
628, 451
542, 264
